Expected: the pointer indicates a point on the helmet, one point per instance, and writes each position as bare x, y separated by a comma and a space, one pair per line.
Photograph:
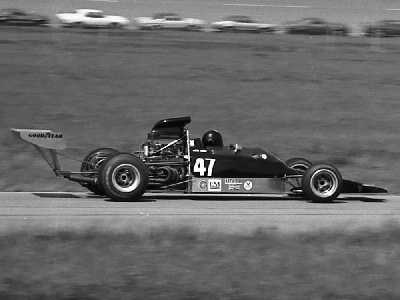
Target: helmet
212, 138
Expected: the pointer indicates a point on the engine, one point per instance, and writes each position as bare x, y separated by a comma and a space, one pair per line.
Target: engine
165, 154
165, 150
166, 162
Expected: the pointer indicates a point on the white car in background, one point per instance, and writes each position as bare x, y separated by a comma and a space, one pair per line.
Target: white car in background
91, 18
242, 23
169, 21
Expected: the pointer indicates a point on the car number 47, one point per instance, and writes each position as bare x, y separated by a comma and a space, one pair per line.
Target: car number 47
203, 165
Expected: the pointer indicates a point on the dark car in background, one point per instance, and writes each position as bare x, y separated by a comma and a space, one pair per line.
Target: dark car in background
12, 16
383, 28
315, 26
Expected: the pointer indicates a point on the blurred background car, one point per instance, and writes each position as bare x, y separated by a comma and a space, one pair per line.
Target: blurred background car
242, 23
315, 26
12, 16
169, 21
383, 28
91, 18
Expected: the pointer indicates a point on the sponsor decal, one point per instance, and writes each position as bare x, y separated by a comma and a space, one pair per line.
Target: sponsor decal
233, 184
203, 185
248, 185
214, 185
232, 181
234, 187
46, 135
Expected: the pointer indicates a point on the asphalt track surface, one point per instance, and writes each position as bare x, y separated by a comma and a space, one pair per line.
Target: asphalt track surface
81, 211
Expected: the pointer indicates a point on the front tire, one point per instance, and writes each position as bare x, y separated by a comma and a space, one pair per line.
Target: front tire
124, 177
299, 164
322, 183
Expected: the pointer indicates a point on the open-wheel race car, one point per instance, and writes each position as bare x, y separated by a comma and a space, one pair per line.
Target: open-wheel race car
170, 161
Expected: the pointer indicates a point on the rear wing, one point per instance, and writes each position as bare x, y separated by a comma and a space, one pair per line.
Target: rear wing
46, 142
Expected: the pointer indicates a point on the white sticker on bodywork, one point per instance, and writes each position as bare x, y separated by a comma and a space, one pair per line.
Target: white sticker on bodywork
248, 185
214, 185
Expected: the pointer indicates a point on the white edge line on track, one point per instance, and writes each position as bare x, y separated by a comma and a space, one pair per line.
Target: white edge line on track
266, 5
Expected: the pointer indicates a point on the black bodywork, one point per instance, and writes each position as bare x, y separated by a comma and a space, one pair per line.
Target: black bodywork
316, 26
231, 161
248, 162
21, 18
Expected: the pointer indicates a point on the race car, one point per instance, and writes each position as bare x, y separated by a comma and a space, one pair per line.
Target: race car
315, 26
91, 18
171, 160
242, 23
169, 21
383, 28
12, 16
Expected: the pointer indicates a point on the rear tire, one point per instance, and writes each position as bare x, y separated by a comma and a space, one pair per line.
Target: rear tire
124, 177
93, 162
322, 183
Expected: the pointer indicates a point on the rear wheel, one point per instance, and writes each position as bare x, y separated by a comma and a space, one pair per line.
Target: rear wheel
92, 162
322, 183
124, 177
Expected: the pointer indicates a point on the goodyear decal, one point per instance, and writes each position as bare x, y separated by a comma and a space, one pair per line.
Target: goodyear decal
46, 135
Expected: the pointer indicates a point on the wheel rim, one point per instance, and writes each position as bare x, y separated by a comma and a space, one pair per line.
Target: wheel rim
125, 178
324, 183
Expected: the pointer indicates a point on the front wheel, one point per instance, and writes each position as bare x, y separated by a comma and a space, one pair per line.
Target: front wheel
322, 183
301, 165
298, 163
124, 177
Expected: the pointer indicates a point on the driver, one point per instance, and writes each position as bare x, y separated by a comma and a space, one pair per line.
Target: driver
212, 138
